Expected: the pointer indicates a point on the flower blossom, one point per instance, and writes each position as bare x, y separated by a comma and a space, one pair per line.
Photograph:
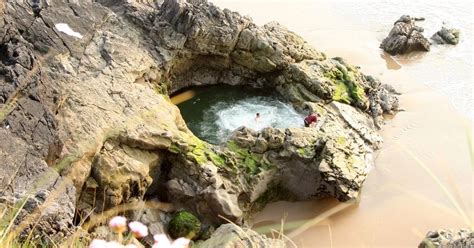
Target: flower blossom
138, 229
113, 244
118, 224
162, 241
98, 243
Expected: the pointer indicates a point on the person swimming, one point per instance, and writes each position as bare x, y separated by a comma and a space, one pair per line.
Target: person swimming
257, 117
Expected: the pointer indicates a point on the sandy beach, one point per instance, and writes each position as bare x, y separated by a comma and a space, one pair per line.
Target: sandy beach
423, 176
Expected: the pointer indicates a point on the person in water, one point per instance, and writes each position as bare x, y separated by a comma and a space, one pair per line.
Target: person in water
311, 120
257, 117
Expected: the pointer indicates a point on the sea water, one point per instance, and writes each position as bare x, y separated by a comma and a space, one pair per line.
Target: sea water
213, 112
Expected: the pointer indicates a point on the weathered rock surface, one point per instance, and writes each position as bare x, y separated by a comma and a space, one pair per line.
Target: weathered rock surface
446, 36
448, 239
91, 116
405, 37
230, 236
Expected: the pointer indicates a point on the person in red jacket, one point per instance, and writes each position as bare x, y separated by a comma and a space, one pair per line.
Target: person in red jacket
311, 120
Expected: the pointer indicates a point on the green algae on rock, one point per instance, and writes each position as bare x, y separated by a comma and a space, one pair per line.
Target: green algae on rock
184, 224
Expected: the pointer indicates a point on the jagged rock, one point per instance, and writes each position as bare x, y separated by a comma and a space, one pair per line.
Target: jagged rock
96, 109
448, 238
446, 36
334, 79
261, 145
124, 173
274, 137
230, 236
405, 37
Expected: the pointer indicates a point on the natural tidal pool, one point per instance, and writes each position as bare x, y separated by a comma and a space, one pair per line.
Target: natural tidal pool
213, 112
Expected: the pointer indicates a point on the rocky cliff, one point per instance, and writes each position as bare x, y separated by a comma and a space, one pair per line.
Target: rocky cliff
86, 123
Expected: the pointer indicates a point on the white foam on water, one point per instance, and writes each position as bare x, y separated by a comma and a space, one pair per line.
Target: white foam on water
226, 117
63, 27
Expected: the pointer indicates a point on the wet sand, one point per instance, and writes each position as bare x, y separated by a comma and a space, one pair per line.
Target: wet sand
423, 178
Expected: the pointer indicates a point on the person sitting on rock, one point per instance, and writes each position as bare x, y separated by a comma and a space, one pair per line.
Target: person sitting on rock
311, 120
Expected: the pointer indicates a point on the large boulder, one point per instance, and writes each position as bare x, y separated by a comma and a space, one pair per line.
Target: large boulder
405, 37
231, 235
448, 238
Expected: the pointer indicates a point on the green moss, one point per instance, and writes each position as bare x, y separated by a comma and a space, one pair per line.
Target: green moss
358, 93
198, 155
217, 159
184, 224
174, 149
341, 140
306, 152
300, 151
236, 148
201, 152
333, 75
251, 163
341, 93
241, 160
346, 90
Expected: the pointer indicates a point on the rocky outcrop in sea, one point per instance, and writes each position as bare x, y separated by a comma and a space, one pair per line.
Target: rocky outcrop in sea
87, 125
405, 37
446, 36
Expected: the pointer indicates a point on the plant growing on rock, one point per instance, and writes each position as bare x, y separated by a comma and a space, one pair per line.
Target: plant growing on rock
184, 224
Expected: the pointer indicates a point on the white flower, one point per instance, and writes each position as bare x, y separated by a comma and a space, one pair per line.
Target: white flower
98, 243
118, 224
113, 244
181, 243
138, 229
162, 241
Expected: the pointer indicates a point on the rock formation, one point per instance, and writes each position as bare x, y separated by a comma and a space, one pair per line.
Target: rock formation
86, 123
230, 235
448, 238
446, 36
405, 37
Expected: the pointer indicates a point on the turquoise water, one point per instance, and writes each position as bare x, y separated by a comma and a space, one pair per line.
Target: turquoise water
215, 111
